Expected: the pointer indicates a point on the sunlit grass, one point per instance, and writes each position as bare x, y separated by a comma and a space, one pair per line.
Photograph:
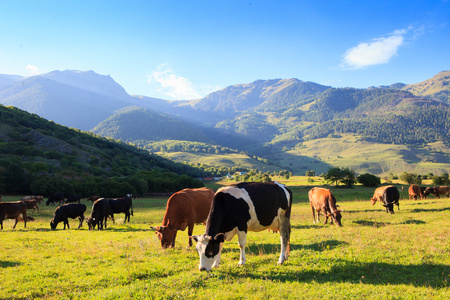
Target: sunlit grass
374, 255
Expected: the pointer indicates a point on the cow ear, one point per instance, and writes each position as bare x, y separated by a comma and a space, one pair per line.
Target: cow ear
195, 237
220, 237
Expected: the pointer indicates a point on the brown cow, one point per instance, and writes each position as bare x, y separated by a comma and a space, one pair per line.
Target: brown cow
414, 192
13, 210
184, 209
32, 204
437, 191
323, 200
378, 194
93, 198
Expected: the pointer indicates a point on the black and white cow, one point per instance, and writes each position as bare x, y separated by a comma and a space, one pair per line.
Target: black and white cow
391, 196
244, 207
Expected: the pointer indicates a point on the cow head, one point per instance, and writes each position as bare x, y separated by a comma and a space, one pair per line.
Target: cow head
374, 200
336, 217
208, 249
91, 223
167, 235
430, 190
389, 208
53, 224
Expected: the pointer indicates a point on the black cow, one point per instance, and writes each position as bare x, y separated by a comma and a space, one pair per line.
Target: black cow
244, 207
55, 198
391, 197
121, 205
99, 214
73, 199
63, 212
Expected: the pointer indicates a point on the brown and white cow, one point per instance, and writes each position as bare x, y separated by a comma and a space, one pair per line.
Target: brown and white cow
184, 209
437, 191
236, 209
414, 192
323, 200
13, 210
378, 194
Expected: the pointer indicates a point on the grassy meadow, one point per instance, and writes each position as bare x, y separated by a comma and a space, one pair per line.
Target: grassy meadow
374, 255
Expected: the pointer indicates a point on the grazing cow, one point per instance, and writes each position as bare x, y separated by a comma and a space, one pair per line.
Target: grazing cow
121, 205
99, 214
63, 212
31, 204
13, 210
390, 197
244, 207
38, 198
414, 192
378, 194
323, 200
437, 191
55, 198
184, 209
73, 199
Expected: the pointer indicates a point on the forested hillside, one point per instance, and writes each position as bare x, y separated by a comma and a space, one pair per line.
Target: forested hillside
41, 157
140, 126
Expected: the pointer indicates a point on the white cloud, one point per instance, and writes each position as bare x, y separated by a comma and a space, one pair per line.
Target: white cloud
173, 85
378, 51
32, 70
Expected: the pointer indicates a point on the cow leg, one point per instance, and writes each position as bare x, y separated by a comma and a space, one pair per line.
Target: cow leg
313, 214
242, 237
216, 262
17, 220
285, 233
190, 231
81, 218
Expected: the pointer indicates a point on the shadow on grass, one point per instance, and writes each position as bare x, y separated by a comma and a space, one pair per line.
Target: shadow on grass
256, 249
371, 223
423, 275
419, 210
8, 264
418, 222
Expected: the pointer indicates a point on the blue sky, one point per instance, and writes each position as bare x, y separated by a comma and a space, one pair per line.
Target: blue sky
187, 49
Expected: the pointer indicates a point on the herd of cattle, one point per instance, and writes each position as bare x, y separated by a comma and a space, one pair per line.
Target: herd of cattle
234, 209
102, 209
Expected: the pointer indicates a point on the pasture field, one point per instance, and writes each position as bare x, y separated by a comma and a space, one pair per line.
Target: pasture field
374, 255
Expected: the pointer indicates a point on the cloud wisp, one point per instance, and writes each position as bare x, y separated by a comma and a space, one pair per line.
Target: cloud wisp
377, 51
32, 70
173, 85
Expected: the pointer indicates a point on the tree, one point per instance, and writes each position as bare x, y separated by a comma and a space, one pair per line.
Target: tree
411, 178
345, 176
369, 180
333, 175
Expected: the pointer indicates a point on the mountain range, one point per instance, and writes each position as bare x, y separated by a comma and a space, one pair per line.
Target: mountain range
282, 120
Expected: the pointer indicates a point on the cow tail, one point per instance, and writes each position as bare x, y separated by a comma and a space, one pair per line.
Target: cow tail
132, 208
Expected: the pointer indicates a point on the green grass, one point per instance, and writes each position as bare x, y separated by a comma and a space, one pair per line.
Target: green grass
373, 256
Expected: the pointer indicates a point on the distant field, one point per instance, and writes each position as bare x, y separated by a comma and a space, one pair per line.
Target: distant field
215, 160
364, 157
373, 256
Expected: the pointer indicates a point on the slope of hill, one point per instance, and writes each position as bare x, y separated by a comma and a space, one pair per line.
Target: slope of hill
41, 157
437, 87
140, 126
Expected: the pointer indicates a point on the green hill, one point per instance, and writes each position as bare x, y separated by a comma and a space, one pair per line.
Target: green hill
140, 126
41, 157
